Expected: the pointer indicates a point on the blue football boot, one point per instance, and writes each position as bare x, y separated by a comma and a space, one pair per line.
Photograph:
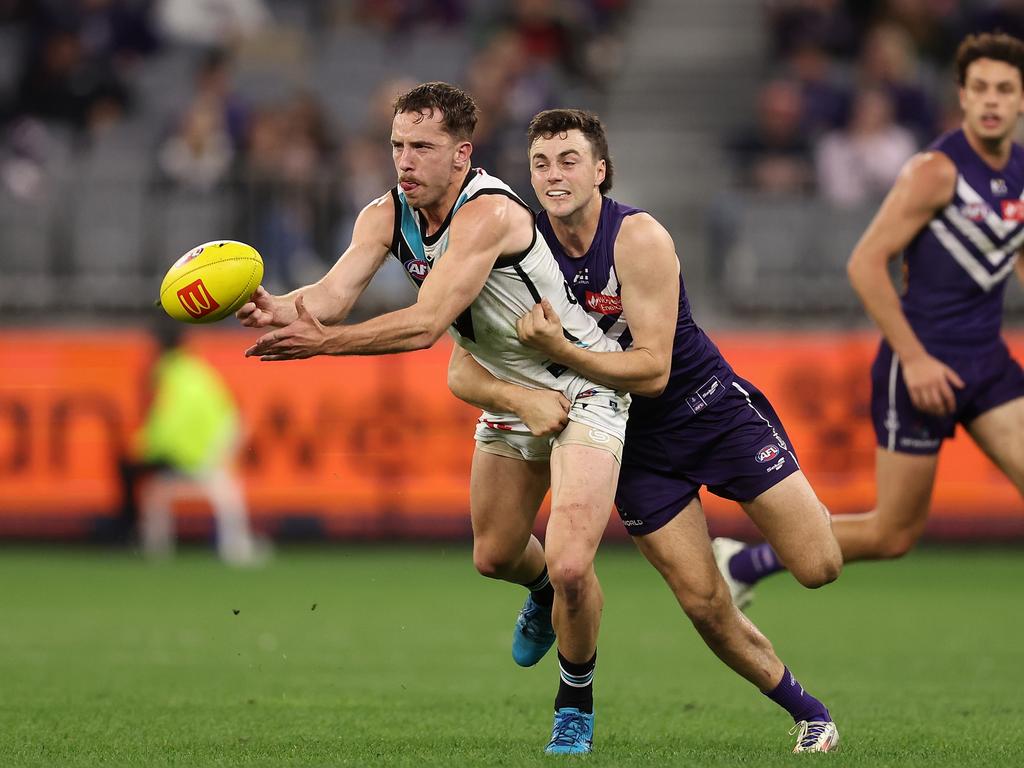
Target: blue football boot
573, 733
533, 635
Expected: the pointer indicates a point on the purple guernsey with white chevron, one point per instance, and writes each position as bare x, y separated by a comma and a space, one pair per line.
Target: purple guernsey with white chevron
957, 266
955, 273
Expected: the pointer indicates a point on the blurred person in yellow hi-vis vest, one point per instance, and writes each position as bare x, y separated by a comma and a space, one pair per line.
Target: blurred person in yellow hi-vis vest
186, 446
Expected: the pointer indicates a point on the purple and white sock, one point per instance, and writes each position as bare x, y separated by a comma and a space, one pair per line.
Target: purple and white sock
752, 564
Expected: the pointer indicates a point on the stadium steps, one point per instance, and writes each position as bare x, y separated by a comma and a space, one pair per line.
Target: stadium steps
691, 70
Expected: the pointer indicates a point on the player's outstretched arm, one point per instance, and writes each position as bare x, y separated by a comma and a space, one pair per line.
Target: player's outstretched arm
925, 185
330, 299
479, 233
648, 269
543, 411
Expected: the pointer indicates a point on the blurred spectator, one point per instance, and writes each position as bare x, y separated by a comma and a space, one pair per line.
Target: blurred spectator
294, 201
825, 22
826, 98
394, 17
861, 163
213, 85
188, 441
210, 22
774, 156
60, 83
1004, 15
933, 26
888, 61
199, 155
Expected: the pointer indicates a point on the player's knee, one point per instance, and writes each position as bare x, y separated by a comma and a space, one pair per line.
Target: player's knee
569, 573
897, 543
492, 562
819, 571
708, 609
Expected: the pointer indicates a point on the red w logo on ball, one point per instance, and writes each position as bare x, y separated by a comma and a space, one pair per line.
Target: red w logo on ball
195, 298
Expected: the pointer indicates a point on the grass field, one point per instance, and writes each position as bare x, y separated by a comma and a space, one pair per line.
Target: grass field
400, 657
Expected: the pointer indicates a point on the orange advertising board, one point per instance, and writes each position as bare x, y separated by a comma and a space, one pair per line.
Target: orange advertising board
376, 446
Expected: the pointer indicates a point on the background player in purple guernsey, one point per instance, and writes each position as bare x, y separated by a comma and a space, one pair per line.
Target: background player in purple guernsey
694, 423
956, 214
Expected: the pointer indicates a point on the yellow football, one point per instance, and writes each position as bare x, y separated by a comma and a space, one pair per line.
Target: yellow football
211, 281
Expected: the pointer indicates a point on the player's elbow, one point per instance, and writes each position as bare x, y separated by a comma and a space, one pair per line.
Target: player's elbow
652, 386
654, 380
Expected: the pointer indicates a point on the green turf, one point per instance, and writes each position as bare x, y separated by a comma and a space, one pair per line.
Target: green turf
107, 660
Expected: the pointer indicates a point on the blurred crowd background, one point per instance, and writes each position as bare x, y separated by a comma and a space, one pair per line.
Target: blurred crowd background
763, 132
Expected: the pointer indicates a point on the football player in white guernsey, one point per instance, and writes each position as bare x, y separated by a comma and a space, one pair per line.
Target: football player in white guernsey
473, 249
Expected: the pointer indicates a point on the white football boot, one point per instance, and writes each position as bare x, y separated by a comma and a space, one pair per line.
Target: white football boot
815, 736
724, 549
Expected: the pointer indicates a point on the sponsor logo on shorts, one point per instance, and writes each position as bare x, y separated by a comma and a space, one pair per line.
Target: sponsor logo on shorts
711, 388
777, 465
766, 454
497, 425
196, 299
1013, 210
598, 436
630, 523
914, 442
603, 303
417, 268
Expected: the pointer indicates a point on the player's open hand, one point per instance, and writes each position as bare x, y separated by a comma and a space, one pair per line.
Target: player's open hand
930, 383
543, 411
264, 309
304, 337
541, 328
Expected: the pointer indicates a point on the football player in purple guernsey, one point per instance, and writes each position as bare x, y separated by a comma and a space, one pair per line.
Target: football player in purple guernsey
956, 214
693, 422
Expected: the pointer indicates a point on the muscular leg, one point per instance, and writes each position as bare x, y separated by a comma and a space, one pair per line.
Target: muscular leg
1000, 434
797, 526
681, 551
904, 482
891, 529
504, 496
582, 489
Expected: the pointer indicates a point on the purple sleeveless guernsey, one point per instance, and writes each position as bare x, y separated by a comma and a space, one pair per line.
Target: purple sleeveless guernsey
699, 374
956, 268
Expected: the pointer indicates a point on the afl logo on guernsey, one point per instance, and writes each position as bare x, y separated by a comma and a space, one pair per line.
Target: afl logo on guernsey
766, 454
417, 268
603, 303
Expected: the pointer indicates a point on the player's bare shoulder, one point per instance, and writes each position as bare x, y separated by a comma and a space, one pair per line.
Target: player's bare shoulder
376, 222
643, 241
928, 178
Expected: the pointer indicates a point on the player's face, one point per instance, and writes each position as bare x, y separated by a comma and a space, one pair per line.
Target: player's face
428, 159
564, 173
991, 98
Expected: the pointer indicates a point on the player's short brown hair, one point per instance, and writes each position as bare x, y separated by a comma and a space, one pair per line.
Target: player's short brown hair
998, 46
457, 107
552, 121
